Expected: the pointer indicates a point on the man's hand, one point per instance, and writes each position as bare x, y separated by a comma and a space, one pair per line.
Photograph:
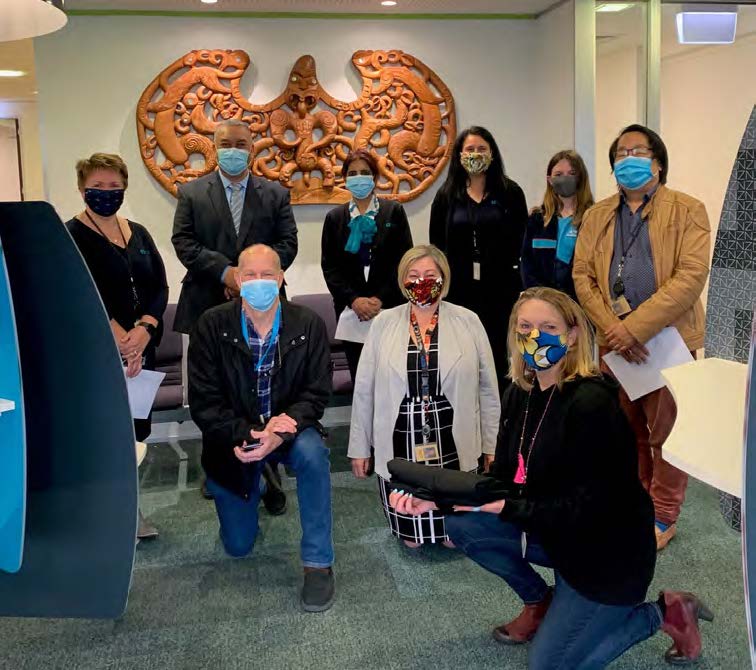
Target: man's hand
637, 354
365, 308
488, 460
231, 288
493, 508
281, 423
360, 467
619, 338
405, 503
269, 442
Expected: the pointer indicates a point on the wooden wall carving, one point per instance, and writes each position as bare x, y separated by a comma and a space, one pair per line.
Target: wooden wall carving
404, 115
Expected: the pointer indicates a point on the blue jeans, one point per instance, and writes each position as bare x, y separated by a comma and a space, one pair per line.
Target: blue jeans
577, 633
308, 457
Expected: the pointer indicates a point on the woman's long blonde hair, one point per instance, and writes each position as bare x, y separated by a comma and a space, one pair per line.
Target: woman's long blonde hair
551, 203
577, 362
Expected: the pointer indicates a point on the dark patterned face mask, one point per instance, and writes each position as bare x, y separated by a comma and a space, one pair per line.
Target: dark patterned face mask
102, 201
424, 291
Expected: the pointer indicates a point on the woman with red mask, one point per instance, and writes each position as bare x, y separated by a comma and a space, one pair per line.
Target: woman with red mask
426, 389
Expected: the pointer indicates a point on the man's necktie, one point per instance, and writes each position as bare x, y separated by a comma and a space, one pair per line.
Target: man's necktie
236, 204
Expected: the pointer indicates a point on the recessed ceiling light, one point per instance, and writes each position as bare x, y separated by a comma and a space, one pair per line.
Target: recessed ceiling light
703, 26
614, 6
12, 73
388, 3
209, 2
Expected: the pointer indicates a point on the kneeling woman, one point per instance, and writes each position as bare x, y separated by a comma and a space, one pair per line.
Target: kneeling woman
576, 505
428, 373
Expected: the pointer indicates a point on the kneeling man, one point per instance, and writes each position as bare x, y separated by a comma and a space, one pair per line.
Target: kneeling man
259, 380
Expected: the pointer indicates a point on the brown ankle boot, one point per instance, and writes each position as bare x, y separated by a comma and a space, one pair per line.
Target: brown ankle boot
683, 610
524, 627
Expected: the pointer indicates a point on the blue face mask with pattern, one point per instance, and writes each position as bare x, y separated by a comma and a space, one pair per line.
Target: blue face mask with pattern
233, 161
360, 185
103, 201
541, 351
260, 294
633, 172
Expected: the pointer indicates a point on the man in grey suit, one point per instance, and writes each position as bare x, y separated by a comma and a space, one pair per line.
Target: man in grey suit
217, 217
221, 214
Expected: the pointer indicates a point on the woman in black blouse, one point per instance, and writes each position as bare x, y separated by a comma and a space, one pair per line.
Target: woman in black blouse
362, 244
126, 268
567, 455
478, 220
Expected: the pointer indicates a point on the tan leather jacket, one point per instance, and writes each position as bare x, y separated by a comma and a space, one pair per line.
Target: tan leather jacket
680, 240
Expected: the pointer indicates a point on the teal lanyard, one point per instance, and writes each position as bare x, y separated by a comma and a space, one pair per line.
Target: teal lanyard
273, 335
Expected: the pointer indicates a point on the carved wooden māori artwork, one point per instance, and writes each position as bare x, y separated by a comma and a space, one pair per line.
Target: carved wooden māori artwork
404, 115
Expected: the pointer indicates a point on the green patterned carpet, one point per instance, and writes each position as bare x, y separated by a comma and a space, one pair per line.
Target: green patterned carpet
193, 607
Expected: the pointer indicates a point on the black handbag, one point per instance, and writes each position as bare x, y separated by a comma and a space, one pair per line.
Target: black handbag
445, 487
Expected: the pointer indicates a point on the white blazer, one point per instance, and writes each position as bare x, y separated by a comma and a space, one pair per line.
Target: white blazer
468, 380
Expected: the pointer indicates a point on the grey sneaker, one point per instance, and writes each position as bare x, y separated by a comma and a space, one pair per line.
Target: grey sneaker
318, 590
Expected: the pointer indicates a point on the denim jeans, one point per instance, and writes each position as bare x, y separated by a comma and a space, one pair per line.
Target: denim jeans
308, 458
577, 633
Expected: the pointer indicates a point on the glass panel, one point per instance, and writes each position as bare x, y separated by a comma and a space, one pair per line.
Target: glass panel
621, 48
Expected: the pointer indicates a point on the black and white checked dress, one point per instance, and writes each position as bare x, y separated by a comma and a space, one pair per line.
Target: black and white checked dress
408, 433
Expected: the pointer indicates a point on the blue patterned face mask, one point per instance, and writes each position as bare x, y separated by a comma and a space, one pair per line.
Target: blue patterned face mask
541, 350
103, 201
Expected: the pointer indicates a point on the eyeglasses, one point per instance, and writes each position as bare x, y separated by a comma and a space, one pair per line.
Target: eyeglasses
635, 151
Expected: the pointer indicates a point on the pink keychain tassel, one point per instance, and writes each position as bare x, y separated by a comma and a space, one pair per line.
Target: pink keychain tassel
519, 477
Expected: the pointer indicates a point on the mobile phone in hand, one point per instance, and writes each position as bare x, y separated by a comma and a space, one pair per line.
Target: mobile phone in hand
250, 446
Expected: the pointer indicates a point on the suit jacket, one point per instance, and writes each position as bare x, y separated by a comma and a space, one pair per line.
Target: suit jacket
344, 272
206, 242
468, 380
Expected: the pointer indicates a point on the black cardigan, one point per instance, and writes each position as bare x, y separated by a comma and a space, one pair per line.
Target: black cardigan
343, 271
583, 500
539, 264
223, 384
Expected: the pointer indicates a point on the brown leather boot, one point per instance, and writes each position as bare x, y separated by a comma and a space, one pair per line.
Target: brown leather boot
683, 610
524, 627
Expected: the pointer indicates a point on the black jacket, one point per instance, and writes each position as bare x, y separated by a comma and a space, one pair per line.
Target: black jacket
206, 242
539, 264
344, 272
583, 500
223, 384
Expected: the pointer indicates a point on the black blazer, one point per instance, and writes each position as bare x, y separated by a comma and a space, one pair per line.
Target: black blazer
344, 272
206, 242
539, 265
223, 384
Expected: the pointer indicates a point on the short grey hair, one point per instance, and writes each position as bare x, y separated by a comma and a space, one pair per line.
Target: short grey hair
230, 123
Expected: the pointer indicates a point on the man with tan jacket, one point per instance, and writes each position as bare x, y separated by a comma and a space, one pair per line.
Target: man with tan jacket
641, 263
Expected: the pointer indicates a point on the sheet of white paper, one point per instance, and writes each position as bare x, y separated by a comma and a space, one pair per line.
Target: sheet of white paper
350, 328
142, 391
666, 350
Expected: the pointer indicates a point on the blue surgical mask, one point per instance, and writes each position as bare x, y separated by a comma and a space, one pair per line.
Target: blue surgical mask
360, 185
233, 161
541, 350
633, 172
259, 294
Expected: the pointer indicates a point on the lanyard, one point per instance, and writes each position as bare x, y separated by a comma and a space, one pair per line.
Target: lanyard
273, 335
124, 256
473, 215
424, 344
619, 285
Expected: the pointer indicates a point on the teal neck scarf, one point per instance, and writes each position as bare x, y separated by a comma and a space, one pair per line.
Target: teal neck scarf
362, 227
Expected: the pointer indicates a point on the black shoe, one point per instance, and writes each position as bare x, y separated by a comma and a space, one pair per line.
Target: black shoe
318, 590
274, 498
205, 493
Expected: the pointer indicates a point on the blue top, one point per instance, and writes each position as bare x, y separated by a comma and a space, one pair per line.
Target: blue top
227, 186
264, 357
547, 253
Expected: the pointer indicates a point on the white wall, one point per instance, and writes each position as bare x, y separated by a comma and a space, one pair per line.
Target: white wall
707, 95
28, 128
91, 74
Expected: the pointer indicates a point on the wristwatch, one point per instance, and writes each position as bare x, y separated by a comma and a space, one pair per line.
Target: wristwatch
151, 330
